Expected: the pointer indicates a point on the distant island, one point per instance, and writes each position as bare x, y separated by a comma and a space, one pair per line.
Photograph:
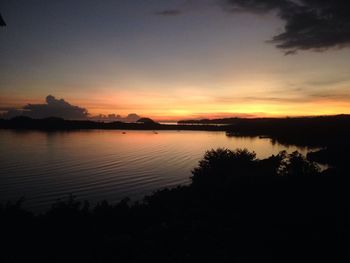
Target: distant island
54, 123
146, 121
306, 131
303, 131
321, 131
212, 121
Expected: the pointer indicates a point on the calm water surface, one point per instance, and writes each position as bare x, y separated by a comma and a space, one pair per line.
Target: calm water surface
97, 165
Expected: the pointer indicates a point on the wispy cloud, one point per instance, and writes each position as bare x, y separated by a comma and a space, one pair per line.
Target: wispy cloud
169, 12
338, 96
328, 82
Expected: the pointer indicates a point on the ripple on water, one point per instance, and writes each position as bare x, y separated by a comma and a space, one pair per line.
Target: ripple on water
96, 165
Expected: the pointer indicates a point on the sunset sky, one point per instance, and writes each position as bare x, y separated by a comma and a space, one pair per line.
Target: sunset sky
167, 60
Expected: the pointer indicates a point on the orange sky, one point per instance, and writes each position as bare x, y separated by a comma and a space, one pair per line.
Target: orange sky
198, 65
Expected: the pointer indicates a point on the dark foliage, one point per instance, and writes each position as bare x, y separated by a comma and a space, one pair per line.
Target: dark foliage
237, 209
312, 131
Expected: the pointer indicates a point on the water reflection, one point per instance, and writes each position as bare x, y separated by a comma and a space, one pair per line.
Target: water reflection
102, 164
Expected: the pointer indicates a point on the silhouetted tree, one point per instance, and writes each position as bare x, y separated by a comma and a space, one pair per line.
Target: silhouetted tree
272, 165
297, 165
236, 207
219, 166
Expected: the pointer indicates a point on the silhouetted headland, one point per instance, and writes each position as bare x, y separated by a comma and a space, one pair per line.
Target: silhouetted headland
304, 131
331, 133
53, 123
239, 126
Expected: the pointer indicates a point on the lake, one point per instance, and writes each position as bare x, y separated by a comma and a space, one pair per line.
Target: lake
107, 164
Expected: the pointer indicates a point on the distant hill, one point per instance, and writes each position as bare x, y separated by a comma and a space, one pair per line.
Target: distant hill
146, 121
237, 120
208, 121
303, 131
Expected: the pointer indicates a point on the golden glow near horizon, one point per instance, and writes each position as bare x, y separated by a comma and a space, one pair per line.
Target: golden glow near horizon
263, 94
297, 89
186, 105
201, 65
260, 94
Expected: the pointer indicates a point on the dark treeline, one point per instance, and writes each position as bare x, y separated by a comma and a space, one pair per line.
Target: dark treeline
303, 131
237, 209
331, 133
306, 131
53, 123
212, 121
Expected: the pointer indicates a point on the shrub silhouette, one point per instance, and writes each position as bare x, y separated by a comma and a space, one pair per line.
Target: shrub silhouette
219, 166
295, 164
237, 209
273, 165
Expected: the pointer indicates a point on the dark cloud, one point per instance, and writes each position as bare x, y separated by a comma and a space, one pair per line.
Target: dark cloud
310, 24
328, 82
253, 6
53, 108
169, 12
2, 22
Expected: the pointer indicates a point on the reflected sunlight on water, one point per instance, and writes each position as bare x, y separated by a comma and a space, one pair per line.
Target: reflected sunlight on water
100, 164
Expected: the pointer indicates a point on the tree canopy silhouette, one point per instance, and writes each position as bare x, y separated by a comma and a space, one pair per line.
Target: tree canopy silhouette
238, 208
